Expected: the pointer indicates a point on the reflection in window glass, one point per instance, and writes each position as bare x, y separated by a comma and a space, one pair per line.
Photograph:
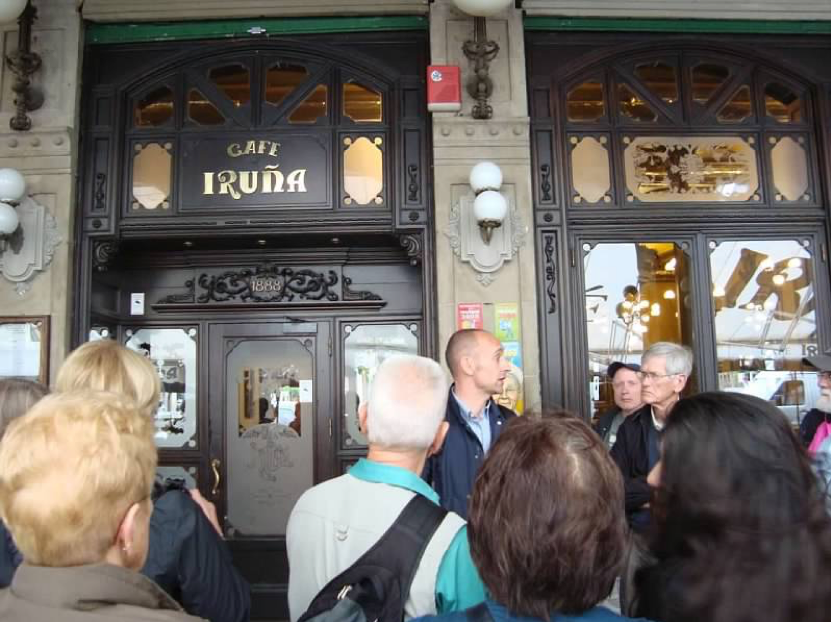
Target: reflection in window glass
312, 108
659, 78
365, 348
585, 102
172, 351
179, 474
281, 80
152, 167
363, 170
155, 108
707, 78
765, 320
636, 295
633, 107
234, 81
782, 104
738, 108
361, 104
203, 111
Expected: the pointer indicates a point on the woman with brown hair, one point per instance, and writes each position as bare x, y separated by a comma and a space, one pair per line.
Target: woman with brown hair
546, 527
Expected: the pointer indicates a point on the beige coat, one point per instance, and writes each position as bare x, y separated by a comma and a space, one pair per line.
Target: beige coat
85, 594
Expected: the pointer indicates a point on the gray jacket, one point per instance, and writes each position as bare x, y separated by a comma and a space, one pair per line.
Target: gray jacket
86, 594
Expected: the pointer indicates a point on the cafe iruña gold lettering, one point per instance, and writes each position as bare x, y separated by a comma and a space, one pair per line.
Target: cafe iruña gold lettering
270, 179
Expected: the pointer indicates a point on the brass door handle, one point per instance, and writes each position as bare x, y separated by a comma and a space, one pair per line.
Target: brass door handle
215, 464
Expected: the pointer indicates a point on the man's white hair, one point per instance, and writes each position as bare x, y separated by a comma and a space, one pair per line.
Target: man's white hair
679, 359
407, 403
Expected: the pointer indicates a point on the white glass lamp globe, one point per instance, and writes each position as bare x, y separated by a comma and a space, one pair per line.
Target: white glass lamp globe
12, 185
490, 206
485, 176
10, 10
8, 219
482, 8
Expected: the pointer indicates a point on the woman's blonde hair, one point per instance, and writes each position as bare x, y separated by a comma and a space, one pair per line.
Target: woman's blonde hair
17, 395
69, 471
106, 365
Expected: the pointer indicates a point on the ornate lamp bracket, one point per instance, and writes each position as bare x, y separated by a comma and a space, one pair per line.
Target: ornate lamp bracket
23, 62
481, 51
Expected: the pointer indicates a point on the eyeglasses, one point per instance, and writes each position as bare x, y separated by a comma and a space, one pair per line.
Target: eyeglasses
652, 376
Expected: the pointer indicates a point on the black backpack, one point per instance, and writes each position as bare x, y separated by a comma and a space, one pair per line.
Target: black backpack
376, 586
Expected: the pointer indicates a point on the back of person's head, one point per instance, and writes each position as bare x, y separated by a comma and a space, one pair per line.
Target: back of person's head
546, 527
738, 501
678, 358
69, 471
17, 395
406, 403
105, 365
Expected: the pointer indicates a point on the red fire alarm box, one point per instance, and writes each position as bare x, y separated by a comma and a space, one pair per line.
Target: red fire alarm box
444, 93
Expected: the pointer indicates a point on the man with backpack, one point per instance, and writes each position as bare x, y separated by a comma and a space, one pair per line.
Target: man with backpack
375, 539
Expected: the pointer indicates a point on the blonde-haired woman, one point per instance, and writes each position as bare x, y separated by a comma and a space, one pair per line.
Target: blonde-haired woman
187, 556
76, 475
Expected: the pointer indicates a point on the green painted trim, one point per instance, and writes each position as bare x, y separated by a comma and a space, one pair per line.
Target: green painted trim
98, 34
725, 26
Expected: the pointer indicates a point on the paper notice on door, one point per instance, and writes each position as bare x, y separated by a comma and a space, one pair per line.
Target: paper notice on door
305, 391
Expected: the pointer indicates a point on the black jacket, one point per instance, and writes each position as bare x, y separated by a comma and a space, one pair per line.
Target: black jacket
810, 423
631, 453
10, 557
604, 423
452, 471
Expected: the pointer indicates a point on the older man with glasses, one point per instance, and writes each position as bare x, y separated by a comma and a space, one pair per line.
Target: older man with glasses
665, 369
822, 408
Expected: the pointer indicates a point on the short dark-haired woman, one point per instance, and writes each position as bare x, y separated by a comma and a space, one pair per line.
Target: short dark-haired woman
546, 527
742, 532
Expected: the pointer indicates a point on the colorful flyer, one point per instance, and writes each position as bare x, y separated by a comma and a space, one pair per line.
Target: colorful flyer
469, 315
506, 321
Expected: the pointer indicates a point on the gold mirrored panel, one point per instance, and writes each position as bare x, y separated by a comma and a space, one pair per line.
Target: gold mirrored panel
790, 169
590, 172
233, 80
636, 295
155, 108
782, 104
362, 104
690, 168
281, 80
633, 106
660, 78
152, 170
765, 321
738, 108
707, 78
203, 111
363, 171
365, 348
586, 103
172, 351
312, 108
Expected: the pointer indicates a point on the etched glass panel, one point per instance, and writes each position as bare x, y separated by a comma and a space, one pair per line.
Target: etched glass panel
363, 170
782, 104
234, 81
152, 169
633, 107
365, 348
362, 104
659, 78
765, 321
690, 169
586, 103
790, 169
590, 170
173, 353
707, 78
269, 433
201, 110
155, 108
281, 80
312, 108
738, 108
636, 295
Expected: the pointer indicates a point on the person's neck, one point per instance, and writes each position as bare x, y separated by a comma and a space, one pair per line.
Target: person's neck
660, 410
472, 397
410, 460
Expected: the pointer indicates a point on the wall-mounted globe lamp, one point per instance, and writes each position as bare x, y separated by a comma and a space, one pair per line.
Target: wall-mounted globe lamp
12, 190
489, 206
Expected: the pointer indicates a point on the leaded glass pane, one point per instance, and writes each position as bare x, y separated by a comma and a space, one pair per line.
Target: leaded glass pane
202, 111
738, 108
363, 171
234, 81
782, 104
362, 104
312, 108
633, 106
586, 102
281, 80
152, 170
155, 108
707, 78
659, 78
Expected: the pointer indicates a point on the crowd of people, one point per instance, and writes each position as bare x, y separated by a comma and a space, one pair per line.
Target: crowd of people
707, 507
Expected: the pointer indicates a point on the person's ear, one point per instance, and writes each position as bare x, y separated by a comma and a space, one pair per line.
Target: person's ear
467, 364
438, 441
126, 536
362, 412
679, 382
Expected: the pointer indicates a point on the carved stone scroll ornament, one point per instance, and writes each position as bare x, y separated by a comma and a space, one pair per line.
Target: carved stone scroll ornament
103, 252
268, 283
412, 243
350, 294
31, 248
